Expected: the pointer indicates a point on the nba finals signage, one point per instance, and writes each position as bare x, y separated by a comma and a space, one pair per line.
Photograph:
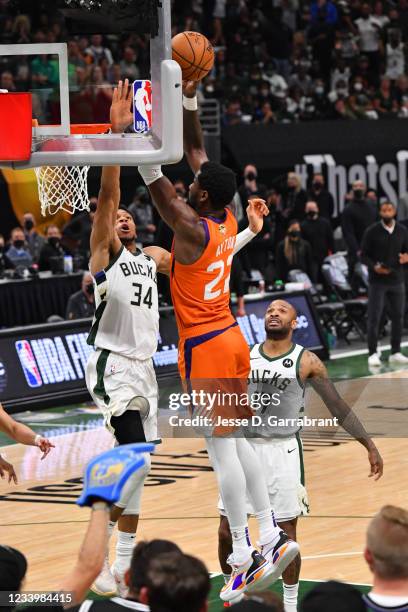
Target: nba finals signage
389, 179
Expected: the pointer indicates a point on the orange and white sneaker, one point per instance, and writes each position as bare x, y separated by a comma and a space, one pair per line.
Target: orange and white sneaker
245, 577
279, 555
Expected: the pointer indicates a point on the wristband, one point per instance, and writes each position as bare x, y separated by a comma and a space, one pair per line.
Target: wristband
190, 104
37, 440
150, 174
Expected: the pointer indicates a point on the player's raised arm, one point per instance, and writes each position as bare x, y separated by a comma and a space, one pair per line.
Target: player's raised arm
182, 218
256, 211
104, 240
311, 367
193, 139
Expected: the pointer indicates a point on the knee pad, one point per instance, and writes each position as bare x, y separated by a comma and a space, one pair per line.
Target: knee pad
132, 491
128, 427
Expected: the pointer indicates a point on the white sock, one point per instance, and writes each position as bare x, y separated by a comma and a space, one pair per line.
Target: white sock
290, 597
268, 528
232, 486
241, 544
124, 550
226, 578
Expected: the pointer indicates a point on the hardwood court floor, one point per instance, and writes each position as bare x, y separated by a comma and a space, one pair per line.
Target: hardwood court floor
39, 517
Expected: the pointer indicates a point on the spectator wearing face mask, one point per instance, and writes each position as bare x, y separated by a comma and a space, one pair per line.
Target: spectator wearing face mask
18, 254
370, 37
294, 198
34, 241
372, 197
51, 249
82, 303
319, 234
293, 253
385, 251
142, 211
341, 73
358, 214
250, 187
77, 232
323, 198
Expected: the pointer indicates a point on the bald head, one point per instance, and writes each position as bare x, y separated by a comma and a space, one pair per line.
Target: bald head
387, 544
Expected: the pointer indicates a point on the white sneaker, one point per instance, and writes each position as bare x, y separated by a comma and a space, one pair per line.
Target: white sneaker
280, 555
119, 578
374, 360
398, 358
105, 583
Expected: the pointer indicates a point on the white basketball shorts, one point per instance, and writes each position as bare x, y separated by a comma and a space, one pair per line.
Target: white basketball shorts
115, 381
282, 463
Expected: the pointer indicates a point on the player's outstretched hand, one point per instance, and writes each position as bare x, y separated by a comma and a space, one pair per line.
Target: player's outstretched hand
44, 445
106, 474
256, 211
120, 113
376, 463
7, 468
190, 88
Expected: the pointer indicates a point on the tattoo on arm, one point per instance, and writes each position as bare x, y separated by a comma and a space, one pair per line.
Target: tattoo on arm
316, 371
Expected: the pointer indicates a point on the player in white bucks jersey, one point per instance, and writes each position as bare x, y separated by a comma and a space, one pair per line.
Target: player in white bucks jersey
279, 371
120, 375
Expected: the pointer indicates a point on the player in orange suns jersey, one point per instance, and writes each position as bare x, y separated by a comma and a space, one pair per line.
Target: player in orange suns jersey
213, 354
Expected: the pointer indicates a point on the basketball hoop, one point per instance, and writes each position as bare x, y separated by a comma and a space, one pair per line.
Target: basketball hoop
65, 187
62, 188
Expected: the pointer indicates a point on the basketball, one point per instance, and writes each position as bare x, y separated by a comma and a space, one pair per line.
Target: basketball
194, 53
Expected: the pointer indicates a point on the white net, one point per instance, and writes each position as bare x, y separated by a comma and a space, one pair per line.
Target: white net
62, 188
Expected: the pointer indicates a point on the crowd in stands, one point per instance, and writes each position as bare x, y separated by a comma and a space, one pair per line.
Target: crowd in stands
299, 233
276, 60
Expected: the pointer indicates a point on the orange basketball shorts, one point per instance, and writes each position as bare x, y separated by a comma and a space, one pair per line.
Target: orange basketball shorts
217, 362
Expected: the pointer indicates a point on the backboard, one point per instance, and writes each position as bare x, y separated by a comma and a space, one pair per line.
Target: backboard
71, 82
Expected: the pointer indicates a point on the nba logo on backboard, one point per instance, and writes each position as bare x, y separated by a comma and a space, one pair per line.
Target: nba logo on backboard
28, 363
142, 106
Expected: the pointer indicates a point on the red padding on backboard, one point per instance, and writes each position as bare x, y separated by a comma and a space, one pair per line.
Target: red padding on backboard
15, 126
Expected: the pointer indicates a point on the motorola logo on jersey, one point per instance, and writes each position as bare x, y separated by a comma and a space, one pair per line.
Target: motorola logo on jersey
47, 361
287, 363
3, 375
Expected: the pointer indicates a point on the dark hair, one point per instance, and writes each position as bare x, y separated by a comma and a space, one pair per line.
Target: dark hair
128, 211
333, 596
219, 182
293, 222
143, 553
387, 203
177, 583
13, 568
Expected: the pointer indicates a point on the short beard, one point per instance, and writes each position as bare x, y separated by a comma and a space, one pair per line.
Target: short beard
278, 334
127, 241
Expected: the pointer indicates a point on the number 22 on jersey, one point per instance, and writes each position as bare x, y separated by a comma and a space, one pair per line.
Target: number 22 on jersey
215, 287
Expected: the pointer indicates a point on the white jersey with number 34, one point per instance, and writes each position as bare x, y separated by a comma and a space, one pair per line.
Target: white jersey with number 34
126, 319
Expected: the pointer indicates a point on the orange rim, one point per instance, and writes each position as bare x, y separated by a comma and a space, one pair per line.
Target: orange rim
89, 128
82, 128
